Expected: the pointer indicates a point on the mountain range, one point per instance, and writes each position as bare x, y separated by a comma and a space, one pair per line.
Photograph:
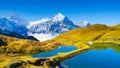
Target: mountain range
42, 30
49, 28
12, 26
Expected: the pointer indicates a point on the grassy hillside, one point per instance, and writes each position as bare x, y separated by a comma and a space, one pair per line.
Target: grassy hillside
97, 33
15, 45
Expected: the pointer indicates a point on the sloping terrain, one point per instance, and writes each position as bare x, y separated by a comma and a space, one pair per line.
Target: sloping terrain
14, 26
97, 33
16, 45
50, 28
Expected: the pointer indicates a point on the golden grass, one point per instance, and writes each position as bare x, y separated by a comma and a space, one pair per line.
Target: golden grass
79, 37
15, 45
96, 33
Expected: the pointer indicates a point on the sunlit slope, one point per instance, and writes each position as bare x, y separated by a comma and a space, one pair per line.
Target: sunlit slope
95, 33
16, 45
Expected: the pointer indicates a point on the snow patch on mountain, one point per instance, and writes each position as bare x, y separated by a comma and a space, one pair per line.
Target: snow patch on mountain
14, 26
43, 29
43, 37
15, 18
32, 23
58, 17
84, 24
51, 27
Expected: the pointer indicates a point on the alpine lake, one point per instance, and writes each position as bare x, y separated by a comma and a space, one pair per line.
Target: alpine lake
99, 56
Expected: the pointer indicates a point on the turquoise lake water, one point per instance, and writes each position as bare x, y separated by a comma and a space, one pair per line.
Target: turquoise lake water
107, 58
54, 52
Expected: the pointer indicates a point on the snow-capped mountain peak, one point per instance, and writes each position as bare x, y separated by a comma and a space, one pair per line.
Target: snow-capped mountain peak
16, 18
40, 21
84, 24
58, 17
14, 26
13, 16
44, 20
50, 28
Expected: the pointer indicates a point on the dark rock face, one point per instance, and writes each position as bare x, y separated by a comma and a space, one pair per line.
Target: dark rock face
46, 62
2, 43
18, 64
38, 62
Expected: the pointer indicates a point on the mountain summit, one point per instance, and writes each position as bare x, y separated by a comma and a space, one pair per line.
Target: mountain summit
16, 18
51, 27
84, 24
58, 17
43, 29
14, 26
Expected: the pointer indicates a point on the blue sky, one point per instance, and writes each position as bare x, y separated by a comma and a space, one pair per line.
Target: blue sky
94, 11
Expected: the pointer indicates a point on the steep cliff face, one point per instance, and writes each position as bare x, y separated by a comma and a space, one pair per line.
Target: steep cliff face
50, 28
